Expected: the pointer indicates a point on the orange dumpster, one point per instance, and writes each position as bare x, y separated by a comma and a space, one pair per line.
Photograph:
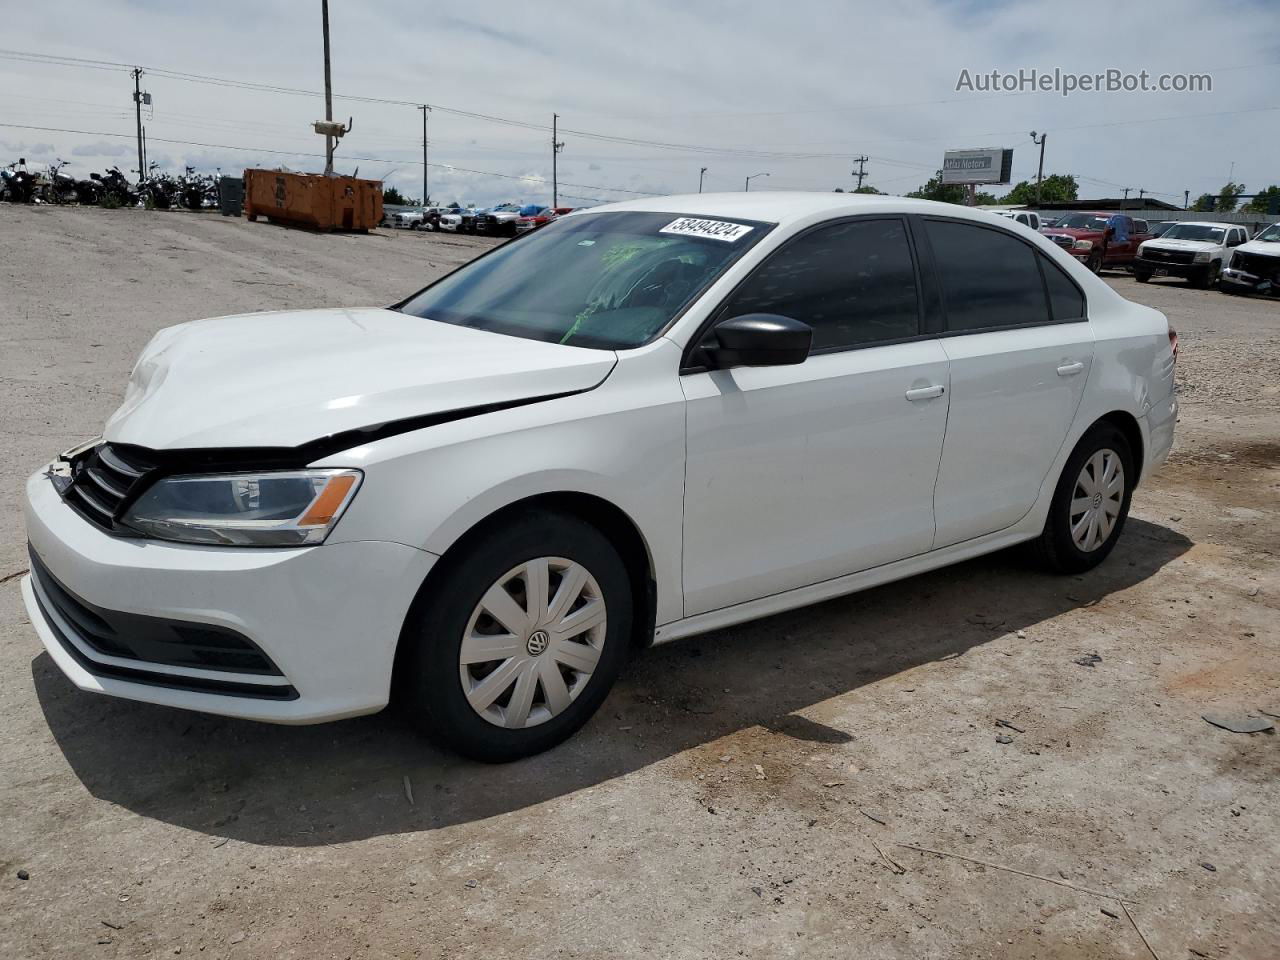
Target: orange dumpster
313, 200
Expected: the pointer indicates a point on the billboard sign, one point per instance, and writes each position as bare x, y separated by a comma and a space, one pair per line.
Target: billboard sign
986, 165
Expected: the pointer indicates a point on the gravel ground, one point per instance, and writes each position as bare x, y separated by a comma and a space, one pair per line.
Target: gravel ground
767, 791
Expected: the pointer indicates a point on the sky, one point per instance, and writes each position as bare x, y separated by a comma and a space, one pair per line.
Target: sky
647, 93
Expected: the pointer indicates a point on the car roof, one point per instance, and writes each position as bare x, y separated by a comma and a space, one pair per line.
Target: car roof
787, 206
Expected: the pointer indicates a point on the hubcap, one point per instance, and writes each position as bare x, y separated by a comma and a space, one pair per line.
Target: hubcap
532, 642
1096, 500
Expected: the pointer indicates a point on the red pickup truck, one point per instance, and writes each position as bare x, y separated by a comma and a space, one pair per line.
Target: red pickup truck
1100, 239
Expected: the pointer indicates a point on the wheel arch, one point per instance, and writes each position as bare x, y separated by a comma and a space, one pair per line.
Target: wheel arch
1128, 425
610, 519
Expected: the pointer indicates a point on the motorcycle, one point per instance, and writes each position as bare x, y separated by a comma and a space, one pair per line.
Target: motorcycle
19, 182
58, 187
116, 185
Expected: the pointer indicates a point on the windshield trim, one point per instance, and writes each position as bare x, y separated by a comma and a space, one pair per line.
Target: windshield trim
749, 243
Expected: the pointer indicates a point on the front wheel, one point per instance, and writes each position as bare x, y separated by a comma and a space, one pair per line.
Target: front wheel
1090, 503
518, 642
1141, 275
1207, 277
1094, 263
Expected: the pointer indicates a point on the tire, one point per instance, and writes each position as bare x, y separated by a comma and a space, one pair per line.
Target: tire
1056, 548
453, 616
1207, 277
1094, 263
1142, 276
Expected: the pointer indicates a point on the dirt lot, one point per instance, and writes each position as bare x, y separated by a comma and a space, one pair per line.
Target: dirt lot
758, 792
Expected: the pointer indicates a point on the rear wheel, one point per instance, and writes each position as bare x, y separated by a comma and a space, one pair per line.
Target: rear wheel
1141, 274
1090, 503
519, 641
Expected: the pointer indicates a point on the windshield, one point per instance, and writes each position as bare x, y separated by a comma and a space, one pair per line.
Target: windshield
1082, 221
1271, 234
1194, 231
610, 280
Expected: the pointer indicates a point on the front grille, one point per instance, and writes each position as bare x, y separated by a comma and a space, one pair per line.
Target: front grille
105, 480
156, 641
1267, 268
1061, 240
1169, 256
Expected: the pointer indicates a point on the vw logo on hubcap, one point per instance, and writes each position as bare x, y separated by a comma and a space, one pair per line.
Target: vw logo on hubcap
1097, 499
537, 643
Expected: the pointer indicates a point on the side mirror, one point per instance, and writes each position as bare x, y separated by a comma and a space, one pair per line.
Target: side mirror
759, 340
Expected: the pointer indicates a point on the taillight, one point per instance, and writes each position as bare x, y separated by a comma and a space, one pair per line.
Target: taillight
1173, 343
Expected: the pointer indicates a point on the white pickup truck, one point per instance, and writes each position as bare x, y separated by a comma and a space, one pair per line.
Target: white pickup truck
1196, 250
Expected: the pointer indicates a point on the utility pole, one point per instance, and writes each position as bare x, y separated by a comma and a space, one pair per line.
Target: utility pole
1142, 192
556, 147
1186, 199
1126, 195
137, 103
701, 173
328, 90
426, 192
860, 173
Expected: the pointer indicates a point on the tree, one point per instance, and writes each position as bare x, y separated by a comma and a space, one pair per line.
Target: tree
395, 197
1055, 187
1263, 201
1229, 196
838, 190
867, 189
1204, 202
935, 189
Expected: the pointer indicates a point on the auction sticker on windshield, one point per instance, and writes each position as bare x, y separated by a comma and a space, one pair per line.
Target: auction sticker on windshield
710, 229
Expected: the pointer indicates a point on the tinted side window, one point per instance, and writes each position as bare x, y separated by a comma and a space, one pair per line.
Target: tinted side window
1065, 297
989, 278
853, 282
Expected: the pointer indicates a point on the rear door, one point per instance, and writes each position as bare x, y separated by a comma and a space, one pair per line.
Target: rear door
1020, 348
802, 473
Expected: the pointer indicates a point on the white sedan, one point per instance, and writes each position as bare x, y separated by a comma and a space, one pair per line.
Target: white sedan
482, 499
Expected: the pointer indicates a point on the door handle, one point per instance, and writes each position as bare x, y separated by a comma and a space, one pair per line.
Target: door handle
1070, 369
926, 393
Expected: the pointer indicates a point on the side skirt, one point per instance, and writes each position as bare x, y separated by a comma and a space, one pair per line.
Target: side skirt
851, 583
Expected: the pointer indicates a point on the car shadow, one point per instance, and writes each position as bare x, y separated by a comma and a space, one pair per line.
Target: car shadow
345, 781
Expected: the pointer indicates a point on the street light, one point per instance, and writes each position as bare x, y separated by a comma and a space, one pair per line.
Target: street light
701, 173
747, 186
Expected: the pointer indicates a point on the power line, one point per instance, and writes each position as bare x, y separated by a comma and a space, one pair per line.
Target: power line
527, 178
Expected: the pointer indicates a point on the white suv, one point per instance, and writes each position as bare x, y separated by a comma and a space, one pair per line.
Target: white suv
481, 499
1195, 250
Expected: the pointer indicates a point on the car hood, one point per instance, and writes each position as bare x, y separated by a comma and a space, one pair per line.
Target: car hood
1268, 248
284, 379
1071, 232
1160, 243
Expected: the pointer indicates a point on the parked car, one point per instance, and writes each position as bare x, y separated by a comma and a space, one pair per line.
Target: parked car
533, 216
460, 221
408, 218
499, 220
1100, 239
1158, 227
430, 219
1255, 265
1195, 250
1027, 218
1049, 221
483, 499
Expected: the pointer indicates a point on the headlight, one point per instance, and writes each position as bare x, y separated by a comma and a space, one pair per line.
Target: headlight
1083, 245
285, 509
1142, 248
1204, 256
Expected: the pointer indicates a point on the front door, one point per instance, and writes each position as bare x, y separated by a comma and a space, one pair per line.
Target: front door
799, 474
